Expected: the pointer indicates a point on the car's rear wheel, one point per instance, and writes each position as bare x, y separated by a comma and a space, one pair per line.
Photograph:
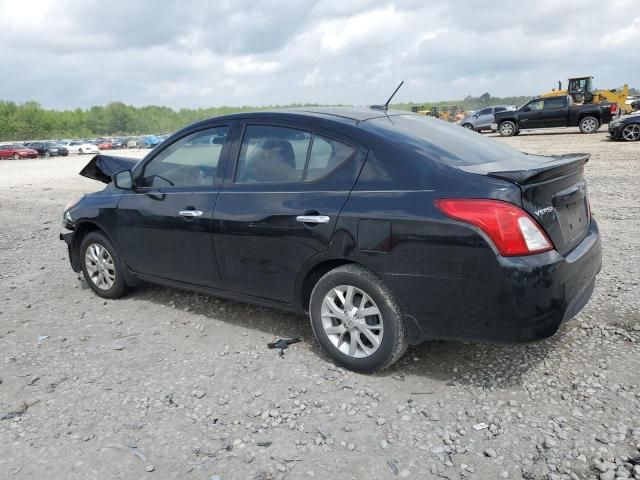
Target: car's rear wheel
631, 133
101, 266
589, 124
507, 129
357, 319
80, 152
469, 126
47, 154
16, 156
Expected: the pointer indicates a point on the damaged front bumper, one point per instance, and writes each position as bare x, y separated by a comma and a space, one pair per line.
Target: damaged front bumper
69, 239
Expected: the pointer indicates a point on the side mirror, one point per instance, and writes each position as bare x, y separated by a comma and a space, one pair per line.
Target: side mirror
123, 180
526, 109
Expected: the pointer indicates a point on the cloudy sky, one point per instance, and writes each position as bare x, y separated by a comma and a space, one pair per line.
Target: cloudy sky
66, 53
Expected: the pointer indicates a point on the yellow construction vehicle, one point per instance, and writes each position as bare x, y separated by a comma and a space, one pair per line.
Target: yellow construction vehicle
581, 91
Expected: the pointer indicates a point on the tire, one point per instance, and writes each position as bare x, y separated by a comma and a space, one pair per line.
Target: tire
107, 282
16, 156
80, 152
468, 126
507, 129
47, 154
589, 124
631, 132
366, 356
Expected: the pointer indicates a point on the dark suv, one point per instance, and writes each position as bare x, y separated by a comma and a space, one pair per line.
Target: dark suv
389, 228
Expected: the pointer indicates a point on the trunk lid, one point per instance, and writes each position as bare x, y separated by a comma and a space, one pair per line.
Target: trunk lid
554, 192
102, 167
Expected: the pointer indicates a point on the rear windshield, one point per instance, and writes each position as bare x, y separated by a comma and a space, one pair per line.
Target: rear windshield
442, 141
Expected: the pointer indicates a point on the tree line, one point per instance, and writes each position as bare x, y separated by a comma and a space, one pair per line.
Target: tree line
30, 121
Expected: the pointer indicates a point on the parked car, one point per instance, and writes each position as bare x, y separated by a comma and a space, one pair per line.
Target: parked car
132, 142
482, 120
626, 128
118, 143
149, 141
17, 151
104, 145
388, 227
550, 112
48, 149
78, 147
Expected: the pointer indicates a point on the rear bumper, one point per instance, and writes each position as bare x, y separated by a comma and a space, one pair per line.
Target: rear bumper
507, 300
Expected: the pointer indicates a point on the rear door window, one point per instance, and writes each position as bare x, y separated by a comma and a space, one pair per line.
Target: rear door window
271, 154
326, 155
554, 103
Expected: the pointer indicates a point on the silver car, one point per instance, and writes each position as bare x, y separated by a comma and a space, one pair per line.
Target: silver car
482, 119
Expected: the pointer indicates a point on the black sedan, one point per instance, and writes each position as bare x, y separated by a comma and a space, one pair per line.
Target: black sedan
626, 128
388, 228
49, 149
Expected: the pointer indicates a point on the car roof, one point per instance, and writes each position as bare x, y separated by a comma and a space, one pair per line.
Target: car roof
352, 115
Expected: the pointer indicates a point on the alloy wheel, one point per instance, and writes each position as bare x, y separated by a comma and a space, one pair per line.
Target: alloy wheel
589, 125
506, 129
631, 133
352, 321
100, 266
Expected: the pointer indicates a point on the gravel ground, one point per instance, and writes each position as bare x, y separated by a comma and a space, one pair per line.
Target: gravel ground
168, 384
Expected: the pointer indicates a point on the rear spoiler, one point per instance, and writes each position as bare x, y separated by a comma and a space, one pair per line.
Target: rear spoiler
102, 167
532, 168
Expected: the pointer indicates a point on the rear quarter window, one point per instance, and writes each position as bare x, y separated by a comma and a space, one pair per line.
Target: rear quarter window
442, 141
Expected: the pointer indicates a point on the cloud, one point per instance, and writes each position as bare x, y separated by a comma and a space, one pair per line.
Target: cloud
197, 53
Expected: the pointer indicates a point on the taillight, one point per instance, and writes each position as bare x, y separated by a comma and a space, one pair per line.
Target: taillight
510, 228
614, 108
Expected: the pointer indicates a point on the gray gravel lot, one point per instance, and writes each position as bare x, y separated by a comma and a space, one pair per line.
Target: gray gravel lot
168, 384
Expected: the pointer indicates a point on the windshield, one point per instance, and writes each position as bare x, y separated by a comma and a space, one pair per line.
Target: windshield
442, 141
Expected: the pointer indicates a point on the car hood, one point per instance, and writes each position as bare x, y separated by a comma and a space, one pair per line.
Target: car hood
102, 167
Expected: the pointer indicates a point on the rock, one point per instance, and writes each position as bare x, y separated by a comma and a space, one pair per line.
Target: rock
491, 453
549, 443
198, 393
351, 446
405, 473
381, 421
608, 475
622, 472
149, 468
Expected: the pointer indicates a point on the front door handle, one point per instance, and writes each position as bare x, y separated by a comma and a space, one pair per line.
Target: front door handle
190, 213
313, 218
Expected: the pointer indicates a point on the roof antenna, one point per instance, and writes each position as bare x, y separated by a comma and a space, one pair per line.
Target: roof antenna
386, 105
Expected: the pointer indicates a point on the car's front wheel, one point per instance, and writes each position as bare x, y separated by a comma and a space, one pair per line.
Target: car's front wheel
80, 152
589, 124
47, 154
468, 126
16, 156
102, 267
631, 133
357, 319
507, 129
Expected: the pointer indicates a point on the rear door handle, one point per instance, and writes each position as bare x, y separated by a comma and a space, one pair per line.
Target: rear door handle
190, 213
313, 218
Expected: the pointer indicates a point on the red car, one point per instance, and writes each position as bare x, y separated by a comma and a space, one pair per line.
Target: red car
104, 145
17, 152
